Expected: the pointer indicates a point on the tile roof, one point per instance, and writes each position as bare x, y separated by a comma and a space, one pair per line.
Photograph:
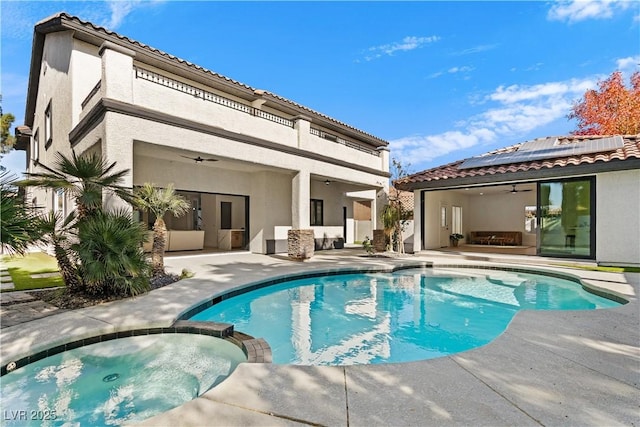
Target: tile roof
499, 172
63, 16
405, 198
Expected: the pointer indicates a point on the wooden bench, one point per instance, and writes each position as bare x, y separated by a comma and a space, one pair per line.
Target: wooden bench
502, 238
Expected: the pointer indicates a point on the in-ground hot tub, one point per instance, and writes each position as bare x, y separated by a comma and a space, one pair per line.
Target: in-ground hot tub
117, 381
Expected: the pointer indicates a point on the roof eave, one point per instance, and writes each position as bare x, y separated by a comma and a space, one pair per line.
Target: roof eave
23, 137
530, 175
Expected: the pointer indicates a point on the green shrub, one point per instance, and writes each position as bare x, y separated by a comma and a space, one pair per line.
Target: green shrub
111, 256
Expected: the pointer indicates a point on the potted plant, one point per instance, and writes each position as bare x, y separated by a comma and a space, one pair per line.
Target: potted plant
455, 237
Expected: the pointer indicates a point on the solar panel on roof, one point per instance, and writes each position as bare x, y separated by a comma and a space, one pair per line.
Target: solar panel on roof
547, 148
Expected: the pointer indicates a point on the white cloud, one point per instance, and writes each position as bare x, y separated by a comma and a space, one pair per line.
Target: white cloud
518, 93
629, 64
580, 10
119, 9
511, 111
452, 70
19, 17
426, 148
407, 43
475, 49
463, 69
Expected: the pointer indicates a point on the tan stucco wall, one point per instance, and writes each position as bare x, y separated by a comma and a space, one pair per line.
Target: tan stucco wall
270, 207
618, 219
55, 87
85, 63
433, 199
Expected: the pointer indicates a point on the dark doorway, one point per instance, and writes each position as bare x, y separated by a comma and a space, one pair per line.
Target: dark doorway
225, 215
344, 223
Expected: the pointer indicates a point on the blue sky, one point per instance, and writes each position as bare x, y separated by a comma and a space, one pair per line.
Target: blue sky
440, 81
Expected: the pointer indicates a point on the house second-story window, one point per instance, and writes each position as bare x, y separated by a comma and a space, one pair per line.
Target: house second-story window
48, 127
317, 209
59, 201
35, 148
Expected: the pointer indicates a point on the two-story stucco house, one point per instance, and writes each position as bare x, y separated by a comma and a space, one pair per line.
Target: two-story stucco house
252, 164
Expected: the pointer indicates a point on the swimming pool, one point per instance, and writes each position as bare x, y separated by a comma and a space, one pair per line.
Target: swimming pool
408, 315
121, 380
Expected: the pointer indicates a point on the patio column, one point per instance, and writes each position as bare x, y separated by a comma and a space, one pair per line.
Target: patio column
374, 210
300, 238
300, 200
417, 221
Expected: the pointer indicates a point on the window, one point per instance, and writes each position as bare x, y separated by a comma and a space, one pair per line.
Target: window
530, 224
35, 149
443, 216
48, 127
59, 201
317, 212
567, 213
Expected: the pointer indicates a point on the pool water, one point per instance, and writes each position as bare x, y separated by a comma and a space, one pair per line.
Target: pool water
407, 315
117, 381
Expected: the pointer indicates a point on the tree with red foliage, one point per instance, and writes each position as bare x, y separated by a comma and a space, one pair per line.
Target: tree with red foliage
612, 109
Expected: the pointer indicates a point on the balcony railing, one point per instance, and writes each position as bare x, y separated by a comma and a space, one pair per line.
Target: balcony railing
339, 140
154, 77
210, 96
93, 91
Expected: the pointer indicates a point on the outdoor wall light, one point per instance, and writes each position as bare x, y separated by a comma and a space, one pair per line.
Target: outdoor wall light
327, 182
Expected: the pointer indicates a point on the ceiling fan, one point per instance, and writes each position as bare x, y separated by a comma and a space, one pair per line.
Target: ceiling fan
514, 191
200, 159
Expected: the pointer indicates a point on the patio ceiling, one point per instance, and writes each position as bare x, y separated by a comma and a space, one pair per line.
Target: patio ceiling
145, 149
493, 189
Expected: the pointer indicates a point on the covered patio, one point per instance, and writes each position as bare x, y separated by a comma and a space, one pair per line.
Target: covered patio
561, 197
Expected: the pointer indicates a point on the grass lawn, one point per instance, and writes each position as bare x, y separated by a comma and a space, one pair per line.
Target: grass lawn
608, 269
22, 267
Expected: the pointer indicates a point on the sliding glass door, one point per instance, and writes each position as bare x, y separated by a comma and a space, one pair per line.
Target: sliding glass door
566, 209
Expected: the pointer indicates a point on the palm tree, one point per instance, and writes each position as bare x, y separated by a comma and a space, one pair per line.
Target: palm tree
160, 201
56, 232
110, 252
18, 222
85, 177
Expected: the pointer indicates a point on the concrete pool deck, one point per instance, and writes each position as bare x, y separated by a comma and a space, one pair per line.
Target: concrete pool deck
548, 368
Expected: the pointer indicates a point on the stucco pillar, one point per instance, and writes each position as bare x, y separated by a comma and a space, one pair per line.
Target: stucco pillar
417, 222
302, 124
117, 145
384, 158
259, 102
117, 72
300, 200
374, 210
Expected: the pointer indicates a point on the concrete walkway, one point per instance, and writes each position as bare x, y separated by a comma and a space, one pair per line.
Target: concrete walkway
549, 367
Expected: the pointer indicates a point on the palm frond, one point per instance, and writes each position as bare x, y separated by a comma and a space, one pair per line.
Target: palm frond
18, 222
